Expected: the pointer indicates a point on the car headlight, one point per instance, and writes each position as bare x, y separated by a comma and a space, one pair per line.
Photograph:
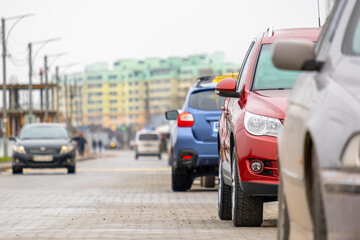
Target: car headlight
66, 149
260, 125
19, 149
351, 154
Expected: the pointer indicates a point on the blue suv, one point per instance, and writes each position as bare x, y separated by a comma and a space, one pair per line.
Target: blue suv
193, 136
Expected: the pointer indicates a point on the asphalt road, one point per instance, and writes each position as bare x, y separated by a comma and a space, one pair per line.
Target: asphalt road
115, 197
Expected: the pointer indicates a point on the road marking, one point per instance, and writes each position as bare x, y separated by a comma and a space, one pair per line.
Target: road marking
98, 169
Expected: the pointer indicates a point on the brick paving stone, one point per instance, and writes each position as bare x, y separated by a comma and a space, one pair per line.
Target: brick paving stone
114, 205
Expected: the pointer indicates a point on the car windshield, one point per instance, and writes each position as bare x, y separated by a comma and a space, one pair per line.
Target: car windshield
43, 132
268, 77
148, 136
206, 100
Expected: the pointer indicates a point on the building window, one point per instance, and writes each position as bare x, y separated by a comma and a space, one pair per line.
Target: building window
112, 76
113, 85
113, 117
112, 101
113, 93
113, 109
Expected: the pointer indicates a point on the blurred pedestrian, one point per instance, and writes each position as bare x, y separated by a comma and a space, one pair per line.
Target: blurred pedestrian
81, 144
94, 145
100, 146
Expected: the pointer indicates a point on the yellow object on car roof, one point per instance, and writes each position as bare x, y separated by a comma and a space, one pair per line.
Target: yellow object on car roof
228, 75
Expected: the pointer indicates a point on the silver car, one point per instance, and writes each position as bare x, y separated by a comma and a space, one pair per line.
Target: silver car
319, 147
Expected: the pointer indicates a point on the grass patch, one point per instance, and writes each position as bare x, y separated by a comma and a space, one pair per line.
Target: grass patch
5, 159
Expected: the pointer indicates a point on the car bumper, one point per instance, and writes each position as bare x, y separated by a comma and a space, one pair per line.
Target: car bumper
263, 148
202, 153
341, 199
59, 160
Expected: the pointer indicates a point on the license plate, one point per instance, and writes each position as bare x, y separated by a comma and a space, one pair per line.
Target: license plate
216, 126
43, 158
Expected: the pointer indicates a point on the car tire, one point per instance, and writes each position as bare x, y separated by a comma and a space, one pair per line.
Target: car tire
71, 170
224, 197
17, 170
136, 156
283, 223
180, 182
246, 211
160, 156
317, 208
208, 181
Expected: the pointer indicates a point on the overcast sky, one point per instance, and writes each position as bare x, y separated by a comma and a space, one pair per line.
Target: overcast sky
108, 30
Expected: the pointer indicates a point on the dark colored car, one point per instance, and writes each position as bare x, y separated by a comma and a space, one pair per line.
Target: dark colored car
43, 145
250, 122
319, 147
193, 136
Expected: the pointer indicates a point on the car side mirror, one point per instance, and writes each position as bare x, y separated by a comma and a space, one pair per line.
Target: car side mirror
171, 115
295, 54
227, 88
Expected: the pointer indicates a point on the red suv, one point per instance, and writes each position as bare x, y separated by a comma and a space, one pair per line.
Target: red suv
252, 117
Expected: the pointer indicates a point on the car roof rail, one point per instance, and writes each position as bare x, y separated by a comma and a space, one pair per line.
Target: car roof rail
270, 31
204, 79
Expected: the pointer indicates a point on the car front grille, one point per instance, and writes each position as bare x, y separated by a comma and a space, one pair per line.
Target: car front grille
47, 151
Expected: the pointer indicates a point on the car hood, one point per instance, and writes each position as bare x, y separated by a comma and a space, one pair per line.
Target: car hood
271, 103
43, 143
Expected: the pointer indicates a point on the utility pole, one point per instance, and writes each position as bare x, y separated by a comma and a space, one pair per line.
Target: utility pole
57, 94
41, 91
46, 90
66, 100
30, 81
5, 120
44, 42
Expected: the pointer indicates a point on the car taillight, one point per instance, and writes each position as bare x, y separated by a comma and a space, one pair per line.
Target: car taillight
185, 120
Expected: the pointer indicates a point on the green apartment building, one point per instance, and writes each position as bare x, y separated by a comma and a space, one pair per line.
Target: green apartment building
134, 93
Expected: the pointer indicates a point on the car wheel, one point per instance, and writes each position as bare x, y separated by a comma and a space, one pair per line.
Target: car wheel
71, 170
224, 197
246, 211
17, 170
136, 156
180, 182
283, 223
160, 156
317, 208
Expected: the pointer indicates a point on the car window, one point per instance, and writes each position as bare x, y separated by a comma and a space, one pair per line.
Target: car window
206, 100
148, 136
43, 132
268, 77
351, 45
244, 68
325, 38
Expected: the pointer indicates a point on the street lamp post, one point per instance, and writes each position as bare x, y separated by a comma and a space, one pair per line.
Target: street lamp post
66, 92
46, 68
44, 42
4, 39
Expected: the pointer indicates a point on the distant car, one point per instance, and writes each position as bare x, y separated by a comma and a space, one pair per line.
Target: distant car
319, 146
193, 136
250, 122
113, 144
147, 143
43, 145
